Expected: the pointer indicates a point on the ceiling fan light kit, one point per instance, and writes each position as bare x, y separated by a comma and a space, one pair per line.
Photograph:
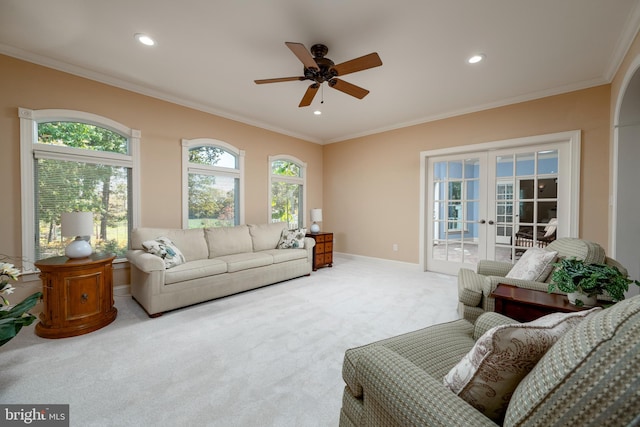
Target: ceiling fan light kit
319, 69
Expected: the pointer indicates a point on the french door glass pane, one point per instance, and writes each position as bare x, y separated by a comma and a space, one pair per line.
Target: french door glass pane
473, 189
525, 164
548, 162
455, 170
456, 208
547, 188
526, 189
504, 166
472, 168
439, 171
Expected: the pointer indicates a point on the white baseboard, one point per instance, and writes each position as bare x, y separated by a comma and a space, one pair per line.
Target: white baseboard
377, 260
122, 291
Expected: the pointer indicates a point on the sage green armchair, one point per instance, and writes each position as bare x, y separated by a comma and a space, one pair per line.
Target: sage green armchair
475, 287
589, 377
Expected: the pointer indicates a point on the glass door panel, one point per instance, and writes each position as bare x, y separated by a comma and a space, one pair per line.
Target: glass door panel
456, 210
536, 180
495, 204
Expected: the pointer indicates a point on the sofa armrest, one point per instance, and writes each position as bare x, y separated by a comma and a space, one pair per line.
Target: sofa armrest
145, 261
488, 267
491, 283
490, 320
409, 395
309, 242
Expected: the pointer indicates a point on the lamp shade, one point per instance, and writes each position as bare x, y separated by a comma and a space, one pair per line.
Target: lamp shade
76, 223
316, 215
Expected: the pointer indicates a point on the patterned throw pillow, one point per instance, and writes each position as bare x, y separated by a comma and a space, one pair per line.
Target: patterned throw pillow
488, 375
535, 264
292, 239
165, 249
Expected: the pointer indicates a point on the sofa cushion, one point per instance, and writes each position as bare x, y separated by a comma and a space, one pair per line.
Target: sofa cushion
195, 270
591, 376
535, 264
164, 248
246, 260
228, 240
487, 376
266, 236
281, 255
292, 239
191, 242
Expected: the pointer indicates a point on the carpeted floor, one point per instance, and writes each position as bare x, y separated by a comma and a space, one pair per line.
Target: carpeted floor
268, 357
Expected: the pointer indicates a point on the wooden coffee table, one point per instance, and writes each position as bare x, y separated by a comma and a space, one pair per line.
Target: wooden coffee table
525, 305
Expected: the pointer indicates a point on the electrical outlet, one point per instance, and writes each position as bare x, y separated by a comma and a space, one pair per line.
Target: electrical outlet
395, 247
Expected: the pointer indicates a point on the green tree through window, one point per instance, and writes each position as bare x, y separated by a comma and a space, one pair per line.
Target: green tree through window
86, 184
287, 185
213, 186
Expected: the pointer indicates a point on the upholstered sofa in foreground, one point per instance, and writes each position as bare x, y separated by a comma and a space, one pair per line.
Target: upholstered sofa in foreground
217, 262
590, 376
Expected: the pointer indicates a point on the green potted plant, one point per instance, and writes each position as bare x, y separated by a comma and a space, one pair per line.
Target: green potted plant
13, 317
583, 282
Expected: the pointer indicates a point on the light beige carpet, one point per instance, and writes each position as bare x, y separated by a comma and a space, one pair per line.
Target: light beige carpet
268, 357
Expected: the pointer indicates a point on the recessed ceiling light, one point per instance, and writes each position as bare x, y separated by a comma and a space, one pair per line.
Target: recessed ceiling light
145, 39
317, 112
476, 58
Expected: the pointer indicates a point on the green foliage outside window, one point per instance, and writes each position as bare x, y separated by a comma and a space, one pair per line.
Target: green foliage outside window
212, 196
66, 185
286, 197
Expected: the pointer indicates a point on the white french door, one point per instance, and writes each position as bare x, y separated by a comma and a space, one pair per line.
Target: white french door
496, 203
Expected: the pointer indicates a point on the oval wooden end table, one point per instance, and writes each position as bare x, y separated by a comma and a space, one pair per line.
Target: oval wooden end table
77, 294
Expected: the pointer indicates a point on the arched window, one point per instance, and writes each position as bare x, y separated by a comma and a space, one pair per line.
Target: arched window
212, 184
76, 161
287, 183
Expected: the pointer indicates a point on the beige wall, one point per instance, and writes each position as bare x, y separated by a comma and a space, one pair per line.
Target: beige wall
371, 198
368, 187
162, 124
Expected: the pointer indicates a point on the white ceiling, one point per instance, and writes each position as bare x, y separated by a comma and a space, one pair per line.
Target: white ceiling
209, 52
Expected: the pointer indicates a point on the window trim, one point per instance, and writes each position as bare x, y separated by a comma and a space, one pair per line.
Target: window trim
302, 180
30, 147
223, 171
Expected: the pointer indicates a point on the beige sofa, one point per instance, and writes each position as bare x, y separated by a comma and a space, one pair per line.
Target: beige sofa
219, 262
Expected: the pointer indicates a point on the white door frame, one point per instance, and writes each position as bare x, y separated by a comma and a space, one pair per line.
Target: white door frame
572, 137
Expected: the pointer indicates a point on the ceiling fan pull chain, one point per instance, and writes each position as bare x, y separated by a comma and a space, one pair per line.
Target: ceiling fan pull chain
322, 94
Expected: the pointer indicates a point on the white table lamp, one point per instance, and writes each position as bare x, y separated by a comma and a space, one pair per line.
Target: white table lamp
316, 216
79, 224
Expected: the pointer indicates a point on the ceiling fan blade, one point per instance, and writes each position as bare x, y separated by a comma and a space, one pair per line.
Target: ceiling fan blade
348, 88
279, 79
308, 95
303, 54
363, 63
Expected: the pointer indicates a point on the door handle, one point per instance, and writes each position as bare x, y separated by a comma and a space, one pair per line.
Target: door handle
482, 221
491, 222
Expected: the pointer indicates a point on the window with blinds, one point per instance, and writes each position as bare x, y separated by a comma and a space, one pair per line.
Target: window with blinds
81, 167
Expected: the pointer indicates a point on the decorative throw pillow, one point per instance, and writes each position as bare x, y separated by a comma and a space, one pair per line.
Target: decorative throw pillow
488, 375
535, 264
292, 239
165, 249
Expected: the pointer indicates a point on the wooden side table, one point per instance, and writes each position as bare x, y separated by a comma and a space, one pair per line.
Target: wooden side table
78, 295
525, 305
323, 250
